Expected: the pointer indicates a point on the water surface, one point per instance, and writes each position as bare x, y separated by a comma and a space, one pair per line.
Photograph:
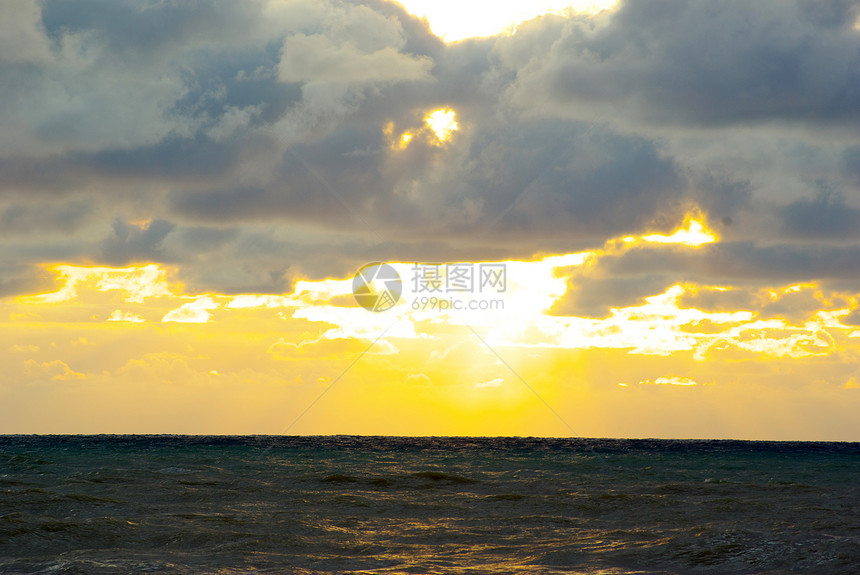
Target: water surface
314, 505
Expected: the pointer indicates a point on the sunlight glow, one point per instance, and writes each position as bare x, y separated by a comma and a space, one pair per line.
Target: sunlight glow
660, 326
455, 20
694, 235
674, 380
117, 315
196, 311
442, 123
138, 282
282, 349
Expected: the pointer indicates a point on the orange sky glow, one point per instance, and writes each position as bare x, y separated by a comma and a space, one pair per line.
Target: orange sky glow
126, 349
606, 219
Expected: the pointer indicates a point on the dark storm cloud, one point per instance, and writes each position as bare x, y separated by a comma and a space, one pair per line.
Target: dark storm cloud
851, 319
851, 165
221, 205
826, 216
740, 263
796, 307
260, 140
173, 158
627, 279
696, 62
575, 179
567, 177
713, 300
45, 217
132, 244
593, 297
23, 279
205, 238
147, 27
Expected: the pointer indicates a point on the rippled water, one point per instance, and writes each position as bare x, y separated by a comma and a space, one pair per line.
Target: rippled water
132, 504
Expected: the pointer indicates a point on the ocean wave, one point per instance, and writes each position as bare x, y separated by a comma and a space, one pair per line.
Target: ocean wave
314, 505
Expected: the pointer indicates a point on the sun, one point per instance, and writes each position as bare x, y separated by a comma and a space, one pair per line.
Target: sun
442, 123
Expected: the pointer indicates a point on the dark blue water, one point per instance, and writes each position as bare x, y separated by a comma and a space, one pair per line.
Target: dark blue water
171, 504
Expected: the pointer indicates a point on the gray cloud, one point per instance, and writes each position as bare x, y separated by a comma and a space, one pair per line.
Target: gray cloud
694, 63
826, 216
132, 244
852, 319
742, 263
16, 280
594, 296
851, 165
253, 136
627, 279
45, 218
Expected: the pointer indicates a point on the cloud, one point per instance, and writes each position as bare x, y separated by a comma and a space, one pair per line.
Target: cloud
826, 216
118, 315
18, 348
45, 218
329, 346
318, 59
852, 319
418, 380
693, 64
740, 263
137, 283
130, 243
276, 351
22, 35
673, 380
492, 383
594, 296
196, 311
56, 370
221, 205
253, 144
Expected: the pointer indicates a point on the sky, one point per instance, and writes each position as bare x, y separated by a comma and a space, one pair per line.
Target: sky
631, 219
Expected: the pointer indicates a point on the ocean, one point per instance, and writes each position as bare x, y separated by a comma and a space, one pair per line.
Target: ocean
314, 505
